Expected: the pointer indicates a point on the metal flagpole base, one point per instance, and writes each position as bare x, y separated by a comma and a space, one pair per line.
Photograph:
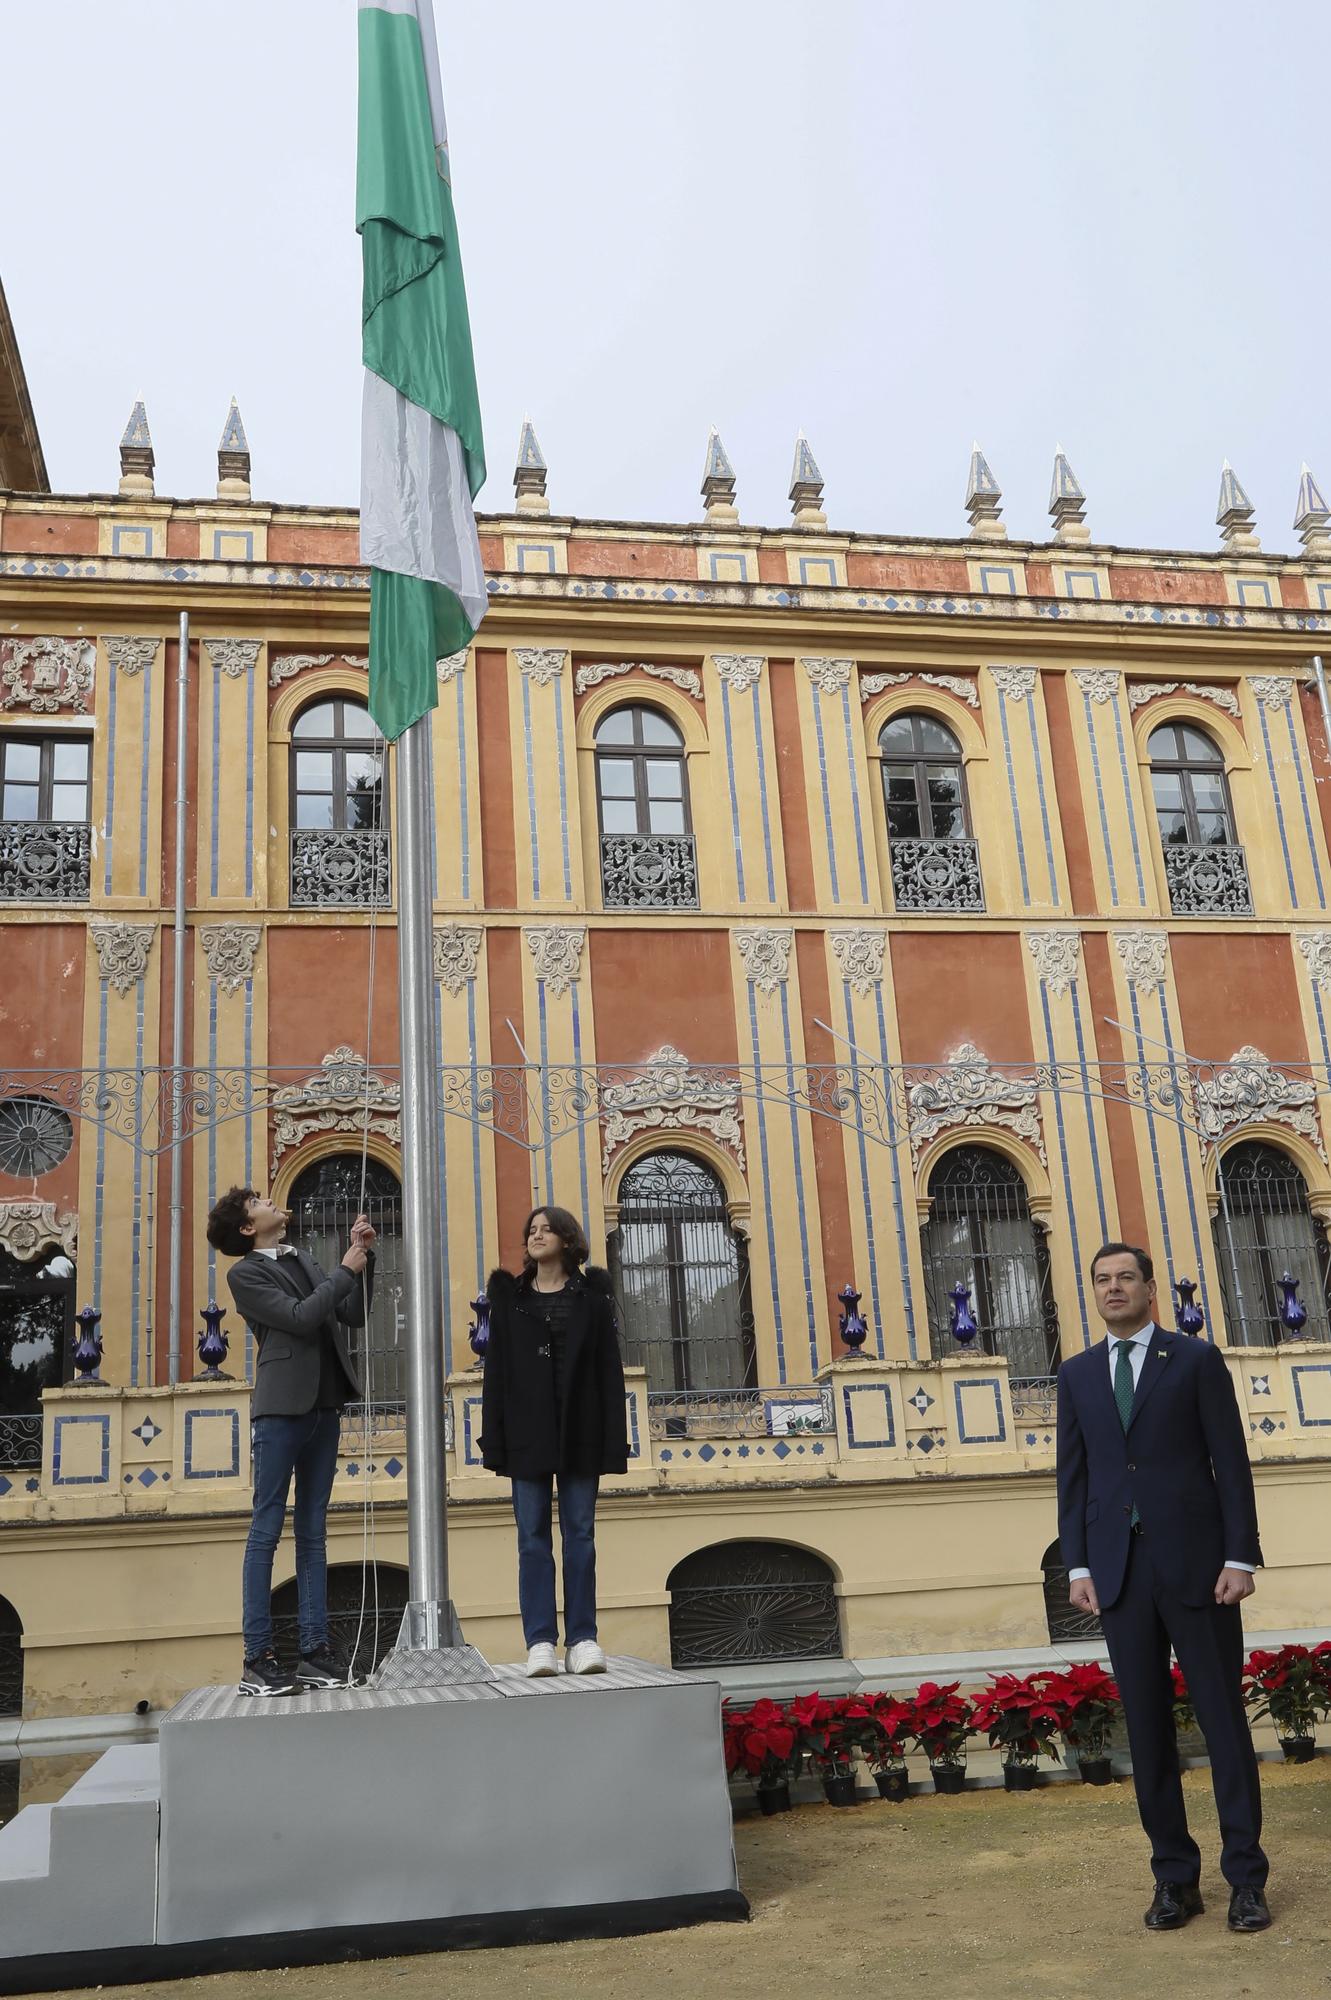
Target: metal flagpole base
430, 1651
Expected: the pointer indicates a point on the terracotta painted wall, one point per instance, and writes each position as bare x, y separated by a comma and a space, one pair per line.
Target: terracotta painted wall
41, 1026
952, 987
1165, 586
1071, 802
48, 535
659, 559
1239, 990
1107, 1048
829, 1158
650, 988
513, 1167
792, 780
498, 776
318, 981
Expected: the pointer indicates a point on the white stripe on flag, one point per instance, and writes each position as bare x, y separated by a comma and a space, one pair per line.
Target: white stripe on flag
416, 513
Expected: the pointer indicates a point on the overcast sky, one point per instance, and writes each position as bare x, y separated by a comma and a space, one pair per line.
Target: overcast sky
898, 226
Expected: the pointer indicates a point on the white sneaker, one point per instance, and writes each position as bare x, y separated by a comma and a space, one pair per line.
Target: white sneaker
584, 1658
541, 1660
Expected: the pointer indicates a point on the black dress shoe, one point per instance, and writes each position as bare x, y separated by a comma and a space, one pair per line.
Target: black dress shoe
1248, 1911
1174, 1903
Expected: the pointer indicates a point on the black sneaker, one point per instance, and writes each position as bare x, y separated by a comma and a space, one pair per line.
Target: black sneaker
321, 1668
266, 1676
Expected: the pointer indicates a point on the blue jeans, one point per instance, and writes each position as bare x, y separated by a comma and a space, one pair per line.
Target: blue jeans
306, 1446
536, 1560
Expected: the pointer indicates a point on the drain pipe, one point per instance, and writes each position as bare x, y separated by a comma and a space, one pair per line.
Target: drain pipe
178, 1013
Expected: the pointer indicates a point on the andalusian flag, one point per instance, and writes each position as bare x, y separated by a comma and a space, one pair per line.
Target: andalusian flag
422, 456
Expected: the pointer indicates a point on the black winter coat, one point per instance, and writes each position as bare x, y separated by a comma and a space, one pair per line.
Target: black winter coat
522, 1435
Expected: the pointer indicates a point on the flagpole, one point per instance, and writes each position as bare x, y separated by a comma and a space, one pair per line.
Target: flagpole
430, 1621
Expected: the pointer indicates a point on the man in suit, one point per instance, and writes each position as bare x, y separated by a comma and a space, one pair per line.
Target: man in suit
1157, 1520
303, 1375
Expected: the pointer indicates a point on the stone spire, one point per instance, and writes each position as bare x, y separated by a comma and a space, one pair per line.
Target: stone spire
983, 494
136, 453
233, 458
529, 473
806, 488
1067, 502
1311, 515
718, 481
1234, 513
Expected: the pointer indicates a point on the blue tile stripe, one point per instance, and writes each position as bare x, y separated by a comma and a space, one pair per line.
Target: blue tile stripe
1013, 800
558, 696
852, 784
136, 1228
441, 1148
146, 775
866, 1186
464, 802
1069, 1198
1098, 777
758, 738
797, 1160
1129, 803
249, 780
760, 1114
829, 830
547, 1147
1045, 827
212, 1131
99, 1218
1300, 779
249, 1147
728, 734
1149, 1109
532, 831
1280, 810
478, 1204
1188, 1160
216, 785
108, 838
1091, 1132
583, 1183
898, 1193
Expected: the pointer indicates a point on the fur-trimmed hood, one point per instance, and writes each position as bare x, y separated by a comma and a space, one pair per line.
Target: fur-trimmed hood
502, 1287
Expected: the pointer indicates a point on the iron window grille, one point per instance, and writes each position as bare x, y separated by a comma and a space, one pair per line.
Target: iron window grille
682, 1278
980, 1233
36, 1348
935, 862
1263, 1228
339, 808
324, 1203
648, 854
45, 838
11, 1664
740, 1602
1205, 869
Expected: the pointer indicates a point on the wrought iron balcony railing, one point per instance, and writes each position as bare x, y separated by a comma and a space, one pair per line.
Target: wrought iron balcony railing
939, 875
335, 869
649, 871
20, 1443
740, 1412
1034, 1399
1208, 881
45, 861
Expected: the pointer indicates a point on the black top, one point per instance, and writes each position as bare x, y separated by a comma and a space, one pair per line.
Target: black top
553, 1391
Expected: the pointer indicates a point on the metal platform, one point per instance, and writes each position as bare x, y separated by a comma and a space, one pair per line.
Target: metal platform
454, 1811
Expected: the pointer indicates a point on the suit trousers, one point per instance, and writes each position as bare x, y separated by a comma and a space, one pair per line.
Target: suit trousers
1208, 1643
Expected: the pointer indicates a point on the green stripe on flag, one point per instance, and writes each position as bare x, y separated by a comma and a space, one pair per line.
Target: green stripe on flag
413, 625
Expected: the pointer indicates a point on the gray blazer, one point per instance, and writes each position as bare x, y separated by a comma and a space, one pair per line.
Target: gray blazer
286, 1327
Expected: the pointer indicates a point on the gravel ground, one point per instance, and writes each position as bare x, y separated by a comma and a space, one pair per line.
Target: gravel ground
983, 1897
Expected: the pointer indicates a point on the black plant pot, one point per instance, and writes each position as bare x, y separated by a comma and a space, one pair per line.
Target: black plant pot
839, 1790
1299, 1749
1020, 1777
1095, 1770
773, 1799
893, 1784
948, 1777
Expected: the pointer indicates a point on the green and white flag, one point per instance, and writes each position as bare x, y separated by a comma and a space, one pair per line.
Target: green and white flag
422, 455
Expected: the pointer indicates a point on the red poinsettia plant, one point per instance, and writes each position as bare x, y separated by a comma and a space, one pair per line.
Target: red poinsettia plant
762, 1742
1185, 1715
888, 1731
1086, 1704
1017, 1715
940, 1721
1291, 1686
827, 1731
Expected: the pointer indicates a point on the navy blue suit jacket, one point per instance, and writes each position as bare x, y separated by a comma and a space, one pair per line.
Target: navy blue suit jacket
1182, 1462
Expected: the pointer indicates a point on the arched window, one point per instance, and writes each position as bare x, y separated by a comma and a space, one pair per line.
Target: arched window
1263, 1228
682, 1276
35, 1136
45, 837
11, 1661
36, 1345
324, 1203
642, 795
980, 1234
368, 1603
1206, 870
339, 807
935, 863
739, 1602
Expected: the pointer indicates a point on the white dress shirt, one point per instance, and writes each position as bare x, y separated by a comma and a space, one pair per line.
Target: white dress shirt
1137, 1345
274, 1250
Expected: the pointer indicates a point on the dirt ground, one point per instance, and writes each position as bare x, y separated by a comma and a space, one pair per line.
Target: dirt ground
983, 1897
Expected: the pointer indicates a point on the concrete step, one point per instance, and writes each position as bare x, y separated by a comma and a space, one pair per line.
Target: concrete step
81, 1875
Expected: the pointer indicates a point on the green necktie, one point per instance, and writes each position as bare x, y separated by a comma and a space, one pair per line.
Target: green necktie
1124, 1391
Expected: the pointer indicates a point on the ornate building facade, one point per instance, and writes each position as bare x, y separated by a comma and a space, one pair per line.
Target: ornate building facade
813, 911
